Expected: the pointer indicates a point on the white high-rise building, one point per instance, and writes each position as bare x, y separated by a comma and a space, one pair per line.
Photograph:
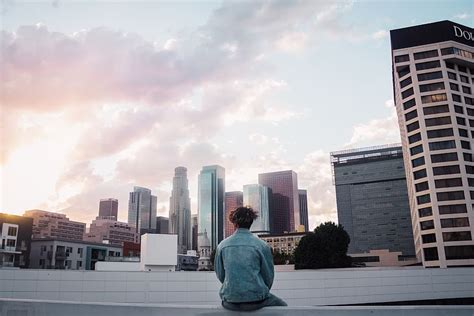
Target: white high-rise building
433, 73
142, 210
180, 210
257, 196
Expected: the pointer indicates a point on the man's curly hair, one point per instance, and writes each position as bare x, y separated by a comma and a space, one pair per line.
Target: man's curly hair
243, 217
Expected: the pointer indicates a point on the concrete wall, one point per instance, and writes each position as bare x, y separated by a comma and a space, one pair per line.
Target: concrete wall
51, 308
298, 288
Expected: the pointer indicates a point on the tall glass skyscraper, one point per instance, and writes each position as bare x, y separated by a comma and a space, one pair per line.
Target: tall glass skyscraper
258, 197
211, 204
284, 204
142, 210
180, 210
108, 209
433, 82
233, 200
304, 209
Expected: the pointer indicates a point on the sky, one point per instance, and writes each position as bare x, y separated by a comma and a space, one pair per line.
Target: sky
99, 96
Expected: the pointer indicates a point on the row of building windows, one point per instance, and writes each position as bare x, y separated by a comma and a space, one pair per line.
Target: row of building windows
451, 252
447, 237
443, 210
440, 196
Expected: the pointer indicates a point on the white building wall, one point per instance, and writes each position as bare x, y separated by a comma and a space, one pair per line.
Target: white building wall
323, 287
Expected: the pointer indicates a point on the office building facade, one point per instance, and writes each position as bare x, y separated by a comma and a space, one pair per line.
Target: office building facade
258, 197
108, 209
283, 243
284, 202
433, 73
233, 200
55, 225
142, 210
303, 199
211, 205
180, 210
194, 228
15, 243
162, 225
372, 199
111, 232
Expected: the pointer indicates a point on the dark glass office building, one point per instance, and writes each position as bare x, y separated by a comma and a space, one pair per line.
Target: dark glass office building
233, 200
108, 209
303, 197
372, 199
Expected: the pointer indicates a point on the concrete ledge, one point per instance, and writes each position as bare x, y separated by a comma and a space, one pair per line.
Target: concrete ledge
17, 307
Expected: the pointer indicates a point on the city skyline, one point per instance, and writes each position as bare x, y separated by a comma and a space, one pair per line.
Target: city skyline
269, 88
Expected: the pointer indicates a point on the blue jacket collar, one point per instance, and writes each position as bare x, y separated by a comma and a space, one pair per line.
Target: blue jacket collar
242, 230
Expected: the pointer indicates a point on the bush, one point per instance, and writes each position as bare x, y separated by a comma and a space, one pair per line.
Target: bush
326, 247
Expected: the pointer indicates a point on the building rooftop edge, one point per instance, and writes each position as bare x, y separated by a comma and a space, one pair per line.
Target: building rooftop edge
397, 146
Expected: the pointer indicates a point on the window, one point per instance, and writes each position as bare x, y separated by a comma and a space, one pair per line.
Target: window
414, 138
463, 132
12, 230
403, 70
443, 120
425, 211
438, 171
416, 150
450, 196
469, 101
457, 236
454, 222
422, 199
405, 82
428, 65
430, 254
467, 157
452, 209
464, 79
456, 97
458, 109
408, 92
448, 183
454, 86
419, 174
430, 76
465, 144
448, 64
459, 252
434, 98
470, 169
413, 126
408, 104
425, 225
431, 87
418, 162
402, 58
452, 76
466, 90
437, 133
411, 115
435, 109
471, 123
11, 242
78, 265
422, 186
444, 157
470, 112
461, 121
448, 144
426, 54
429, 238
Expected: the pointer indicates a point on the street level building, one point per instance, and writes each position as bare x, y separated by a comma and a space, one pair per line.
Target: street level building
211, 205
111, 232
233, 200
15, 242
433, 73
180, 210
283, 243
52, 253
142, 210
285, 205
108, 208
55, 225
372, 200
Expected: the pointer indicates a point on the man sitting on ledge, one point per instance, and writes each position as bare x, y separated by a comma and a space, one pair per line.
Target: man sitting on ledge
244, 266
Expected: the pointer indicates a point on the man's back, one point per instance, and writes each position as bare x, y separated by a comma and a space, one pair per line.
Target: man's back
244, 265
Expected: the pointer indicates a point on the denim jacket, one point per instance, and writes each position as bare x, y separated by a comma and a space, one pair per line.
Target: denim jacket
244, 266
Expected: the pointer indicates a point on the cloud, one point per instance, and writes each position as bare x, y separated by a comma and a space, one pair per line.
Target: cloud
462, 16
380, 34
294, 42
258, 139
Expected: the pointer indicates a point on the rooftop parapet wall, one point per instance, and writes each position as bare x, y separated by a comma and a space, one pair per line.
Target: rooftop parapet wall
297, 288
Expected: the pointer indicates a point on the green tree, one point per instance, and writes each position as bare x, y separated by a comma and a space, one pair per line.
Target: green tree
326, 247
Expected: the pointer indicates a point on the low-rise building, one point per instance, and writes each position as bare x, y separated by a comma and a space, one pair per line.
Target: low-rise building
55, 225
111, 231
50, 253
283, 243
15, 240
